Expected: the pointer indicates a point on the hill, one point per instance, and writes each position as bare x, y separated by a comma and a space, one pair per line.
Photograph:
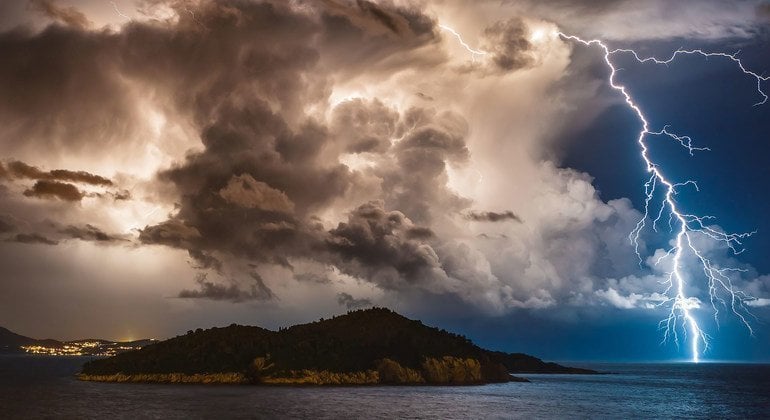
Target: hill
10, 342
365, 346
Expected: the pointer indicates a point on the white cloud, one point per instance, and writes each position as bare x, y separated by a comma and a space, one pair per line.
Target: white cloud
759, 302
637, 300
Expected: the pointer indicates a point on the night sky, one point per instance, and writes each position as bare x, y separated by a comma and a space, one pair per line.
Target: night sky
169, 165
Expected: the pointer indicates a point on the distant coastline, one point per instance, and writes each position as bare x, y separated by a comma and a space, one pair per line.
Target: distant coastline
365, 347
13, 343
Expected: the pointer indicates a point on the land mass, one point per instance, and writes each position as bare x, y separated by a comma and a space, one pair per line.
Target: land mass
10, 342
372, 346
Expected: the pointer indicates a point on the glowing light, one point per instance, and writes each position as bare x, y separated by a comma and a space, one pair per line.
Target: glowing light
339, 96
718, 279
537, 35
356, 161
474, 52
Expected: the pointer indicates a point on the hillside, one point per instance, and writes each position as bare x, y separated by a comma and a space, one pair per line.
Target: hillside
10, 342
366, 346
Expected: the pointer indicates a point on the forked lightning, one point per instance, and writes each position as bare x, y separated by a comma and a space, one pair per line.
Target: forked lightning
683, 225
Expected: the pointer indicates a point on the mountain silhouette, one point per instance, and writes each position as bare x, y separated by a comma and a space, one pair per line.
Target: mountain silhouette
374, 346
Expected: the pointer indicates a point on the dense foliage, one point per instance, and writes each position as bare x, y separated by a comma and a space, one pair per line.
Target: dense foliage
374, 339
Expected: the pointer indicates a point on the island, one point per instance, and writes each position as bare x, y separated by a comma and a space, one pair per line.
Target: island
362, 347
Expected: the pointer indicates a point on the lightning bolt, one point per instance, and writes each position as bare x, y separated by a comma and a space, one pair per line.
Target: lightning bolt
117, 10
474, 52
194, 18
718, 280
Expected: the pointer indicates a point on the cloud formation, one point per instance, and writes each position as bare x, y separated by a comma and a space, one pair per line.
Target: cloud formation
509, 43
33, 238
651, 20
257, 291
283, 171
23, 170
491, 216
382, 246
89, 233
6, 225
70, 16
336, 143
55, 189
348, 301
758, 302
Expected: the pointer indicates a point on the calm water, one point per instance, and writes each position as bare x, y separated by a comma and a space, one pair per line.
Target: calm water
32, 387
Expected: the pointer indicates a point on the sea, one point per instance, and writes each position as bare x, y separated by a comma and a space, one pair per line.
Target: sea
33, 387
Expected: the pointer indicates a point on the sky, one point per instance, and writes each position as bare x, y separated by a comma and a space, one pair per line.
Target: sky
170, 164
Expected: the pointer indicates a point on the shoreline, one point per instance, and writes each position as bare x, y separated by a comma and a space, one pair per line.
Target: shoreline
298, 379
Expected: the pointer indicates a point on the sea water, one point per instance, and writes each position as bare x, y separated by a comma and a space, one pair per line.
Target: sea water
45, 387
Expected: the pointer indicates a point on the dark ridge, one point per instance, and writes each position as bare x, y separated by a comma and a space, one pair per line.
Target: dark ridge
10, 342
356, 342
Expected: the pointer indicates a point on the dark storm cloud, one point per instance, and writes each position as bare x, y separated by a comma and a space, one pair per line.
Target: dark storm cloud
312, 278
267, 166
254, 188
378, 14
22, 170
216, 291
259, 176
33, 238
582, 6
172, 233
204, 260
120, 195
420, 233
90, 233
348, 301
508, 43
55, 189
6, 225
651, 19
417, 184
390, 242
374, 241
364, 36
51, 233
245, 191
67, 15
81, 69
364, 126
491, 216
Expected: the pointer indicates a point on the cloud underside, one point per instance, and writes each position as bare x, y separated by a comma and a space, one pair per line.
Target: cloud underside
256, 291
288, 161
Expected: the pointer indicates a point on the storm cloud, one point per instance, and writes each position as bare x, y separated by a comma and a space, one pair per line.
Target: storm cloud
321, 151
33, 238
229, 292
23, 170
280, 172
347, 300
90, 233
55, 189
68, 15
491, 216
508, 42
